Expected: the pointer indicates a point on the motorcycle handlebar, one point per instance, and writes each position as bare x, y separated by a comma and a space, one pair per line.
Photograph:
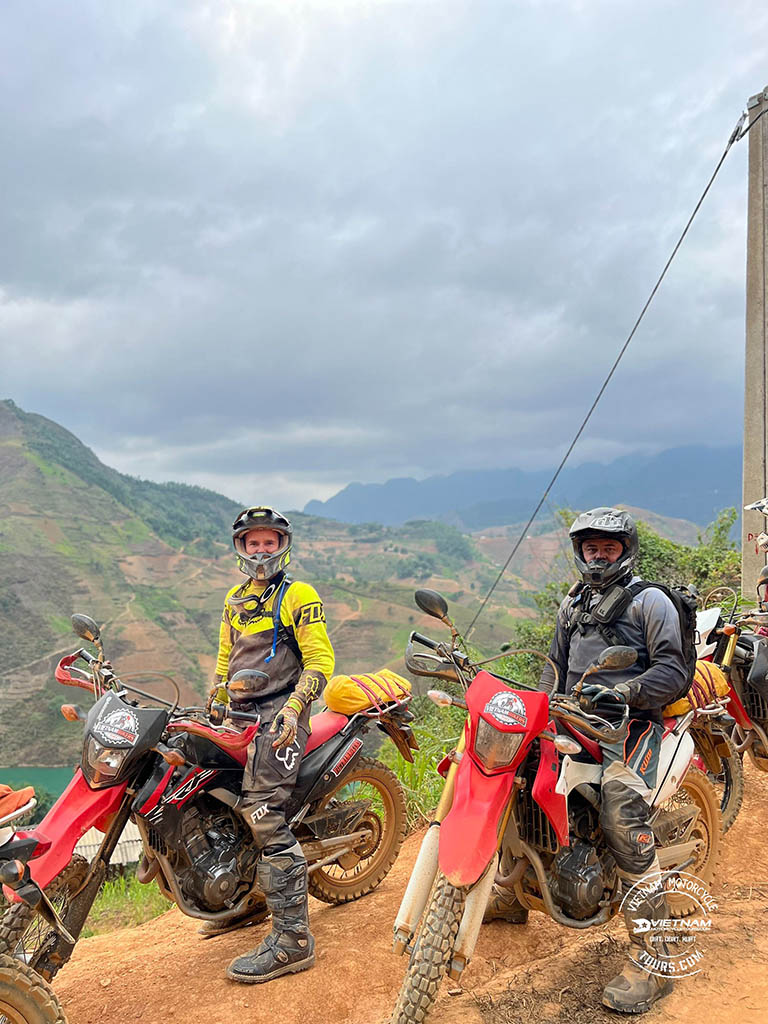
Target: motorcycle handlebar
444, 669
568, 711
64, 676
419, 638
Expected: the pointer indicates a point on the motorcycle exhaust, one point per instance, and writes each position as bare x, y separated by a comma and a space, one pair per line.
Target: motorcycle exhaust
417, 891
472, 919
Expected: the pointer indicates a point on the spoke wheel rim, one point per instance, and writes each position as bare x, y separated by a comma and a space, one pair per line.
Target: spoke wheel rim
377, 820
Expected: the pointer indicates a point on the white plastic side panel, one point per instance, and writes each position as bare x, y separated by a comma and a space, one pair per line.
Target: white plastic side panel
705, 623
676, 754
574, 772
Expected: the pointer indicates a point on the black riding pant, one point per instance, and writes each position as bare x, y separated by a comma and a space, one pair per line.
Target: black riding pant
629, 777
269, 780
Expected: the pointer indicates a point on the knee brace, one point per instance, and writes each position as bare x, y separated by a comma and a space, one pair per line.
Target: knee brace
624, 818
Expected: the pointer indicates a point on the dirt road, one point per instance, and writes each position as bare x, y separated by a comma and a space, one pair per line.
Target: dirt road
162, 972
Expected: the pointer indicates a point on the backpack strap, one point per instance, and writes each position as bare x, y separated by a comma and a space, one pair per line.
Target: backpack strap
581, 620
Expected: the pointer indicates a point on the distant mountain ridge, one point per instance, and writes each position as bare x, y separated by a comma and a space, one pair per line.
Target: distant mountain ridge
693, 482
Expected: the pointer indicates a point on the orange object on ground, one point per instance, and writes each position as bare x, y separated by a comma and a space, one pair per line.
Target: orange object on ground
12, 800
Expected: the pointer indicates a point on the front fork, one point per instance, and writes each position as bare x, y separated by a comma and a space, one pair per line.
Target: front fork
425, 869
423, 877
80, 904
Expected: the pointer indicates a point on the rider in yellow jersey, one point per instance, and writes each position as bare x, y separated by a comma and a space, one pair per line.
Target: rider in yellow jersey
275, 625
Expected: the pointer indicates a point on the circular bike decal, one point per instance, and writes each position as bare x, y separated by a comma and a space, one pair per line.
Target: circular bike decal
506, 708
117, 727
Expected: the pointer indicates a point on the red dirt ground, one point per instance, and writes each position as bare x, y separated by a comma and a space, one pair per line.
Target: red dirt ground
162, 972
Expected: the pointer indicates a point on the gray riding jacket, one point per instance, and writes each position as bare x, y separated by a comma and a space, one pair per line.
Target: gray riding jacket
650, 624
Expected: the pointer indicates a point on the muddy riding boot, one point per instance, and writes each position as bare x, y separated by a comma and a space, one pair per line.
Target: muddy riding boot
644, 978
255, 914
289, 947
503, 905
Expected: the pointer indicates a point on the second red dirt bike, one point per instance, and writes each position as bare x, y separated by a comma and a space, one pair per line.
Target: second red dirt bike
524, 781
24, 997
177, 773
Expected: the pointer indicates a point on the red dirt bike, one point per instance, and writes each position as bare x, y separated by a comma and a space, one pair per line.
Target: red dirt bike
742, 727
24, 997
524, 781
177, 773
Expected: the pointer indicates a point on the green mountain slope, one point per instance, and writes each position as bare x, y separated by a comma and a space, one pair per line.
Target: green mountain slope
151, 562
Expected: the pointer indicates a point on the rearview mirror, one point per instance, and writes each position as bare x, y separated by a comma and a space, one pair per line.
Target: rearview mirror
85, 627
617, 657
432, 603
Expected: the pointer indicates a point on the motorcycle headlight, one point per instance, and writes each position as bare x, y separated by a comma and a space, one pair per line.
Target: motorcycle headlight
101, 764
495, 748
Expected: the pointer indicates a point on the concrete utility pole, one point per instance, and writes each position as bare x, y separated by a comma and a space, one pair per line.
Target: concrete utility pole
755, 478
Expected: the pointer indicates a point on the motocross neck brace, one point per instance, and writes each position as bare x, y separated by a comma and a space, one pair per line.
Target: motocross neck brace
251, 606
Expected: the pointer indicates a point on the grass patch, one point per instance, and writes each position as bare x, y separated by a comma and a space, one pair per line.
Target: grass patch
124, 903
437, 730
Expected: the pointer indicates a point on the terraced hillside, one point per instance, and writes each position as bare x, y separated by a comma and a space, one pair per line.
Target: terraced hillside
146, 560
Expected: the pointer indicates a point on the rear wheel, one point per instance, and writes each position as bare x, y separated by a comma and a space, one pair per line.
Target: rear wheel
697, 789
360, 871
25, 935
432, 953
24, 996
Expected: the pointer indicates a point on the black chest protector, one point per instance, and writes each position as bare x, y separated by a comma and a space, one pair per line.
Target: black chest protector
614, 602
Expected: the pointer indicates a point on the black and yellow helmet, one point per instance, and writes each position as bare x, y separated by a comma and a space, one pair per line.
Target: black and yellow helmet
265, 565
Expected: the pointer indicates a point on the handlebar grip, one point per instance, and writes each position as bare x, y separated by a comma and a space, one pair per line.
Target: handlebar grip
424, 640
244, 716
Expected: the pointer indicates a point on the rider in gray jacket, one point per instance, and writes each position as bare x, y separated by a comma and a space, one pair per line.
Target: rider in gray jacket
605, 548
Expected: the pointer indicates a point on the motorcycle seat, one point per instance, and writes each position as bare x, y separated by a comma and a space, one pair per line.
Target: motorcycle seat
324, 725
12, 800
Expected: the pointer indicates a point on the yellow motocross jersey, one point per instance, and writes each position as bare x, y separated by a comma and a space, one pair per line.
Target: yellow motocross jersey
248, 638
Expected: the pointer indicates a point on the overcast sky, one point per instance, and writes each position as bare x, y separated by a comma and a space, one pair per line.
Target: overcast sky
273, 248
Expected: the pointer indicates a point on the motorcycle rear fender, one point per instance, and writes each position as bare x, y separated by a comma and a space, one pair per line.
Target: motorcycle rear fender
78, 808
469, 833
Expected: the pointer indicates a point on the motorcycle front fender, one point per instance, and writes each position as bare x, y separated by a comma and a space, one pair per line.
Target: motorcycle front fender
469, 833
78, 808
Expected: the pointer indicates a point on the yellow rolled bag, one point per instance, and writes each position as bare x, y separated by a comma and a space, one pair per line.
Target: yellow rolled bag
347, 695
709, 683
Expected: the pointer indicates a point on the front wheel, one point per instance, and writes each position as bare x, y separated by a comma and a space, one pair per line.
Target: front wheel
24, 996
432, 955
25, 935
360, 871
729, 783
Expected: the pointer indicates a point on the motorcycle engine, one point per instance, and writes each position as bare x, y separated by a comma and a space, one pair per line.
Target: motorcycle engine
579, 880
220, 861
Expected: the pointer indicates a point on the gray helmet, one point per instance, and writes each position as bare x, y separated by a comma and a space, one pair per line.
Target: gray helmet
267, 564
605, 522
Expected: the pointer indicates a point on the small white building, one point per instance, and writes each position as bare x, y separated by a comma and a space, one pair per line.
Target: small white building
127, 851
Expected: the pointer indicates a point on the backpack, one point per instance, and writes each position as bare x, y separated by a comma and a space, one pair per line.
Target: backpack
618, 599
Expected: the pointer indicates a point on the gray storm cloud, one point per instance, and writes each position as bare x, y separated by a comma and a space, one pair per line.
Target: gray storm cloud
269, 247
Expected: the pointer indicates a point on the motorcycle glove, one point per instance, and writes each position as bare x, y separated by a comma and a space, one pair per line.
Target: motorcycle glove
593, 694
286, 723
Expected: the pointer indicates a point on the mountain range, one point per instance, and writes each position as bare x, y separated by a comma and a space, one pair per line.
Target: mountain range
692, 483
